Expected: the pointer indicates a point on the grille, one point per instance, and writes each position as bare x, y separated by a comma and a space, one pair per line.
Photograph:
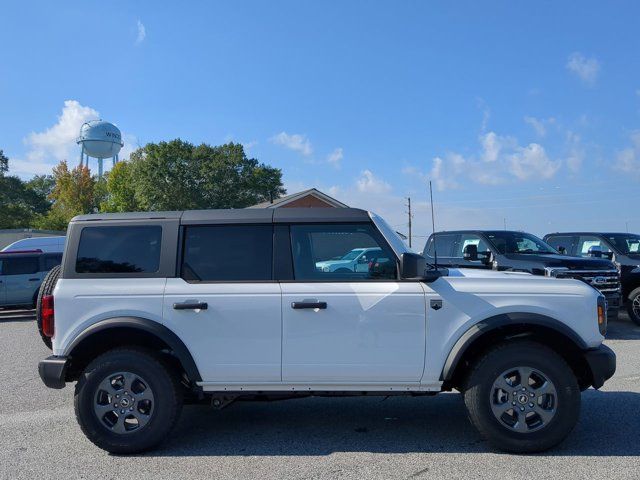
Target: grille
607, 281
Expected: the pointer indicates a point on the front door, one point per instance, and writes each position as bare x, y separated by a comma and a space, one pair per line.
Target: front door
340, 327
225, 306
21, 279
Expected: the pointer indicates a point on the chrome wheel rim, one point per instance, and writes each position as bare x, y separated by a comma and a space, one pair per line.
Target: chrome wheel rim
523, 399
124, 403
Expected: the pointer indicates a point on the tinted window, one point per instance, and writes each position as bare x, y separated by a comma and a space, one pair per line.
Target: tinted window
228, 253
626, 243
564, 244
444, 243
585, 242
51, 261
20, 265
340, 252
518, 242
467, 239
119, 249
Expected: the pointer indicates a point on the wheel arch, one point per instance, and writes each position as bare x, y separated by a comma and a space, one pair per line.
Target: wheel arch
482, 335
119, 331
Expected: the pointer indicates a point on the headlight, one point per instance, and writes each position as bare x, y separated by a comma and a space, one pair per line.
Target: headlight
602, 315
553, 271
636, 270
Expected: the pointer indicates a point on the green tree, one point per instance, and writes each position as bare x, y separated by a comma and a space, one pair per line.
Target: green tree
4, 163
20, 202
73, 194
120, 190
177, 175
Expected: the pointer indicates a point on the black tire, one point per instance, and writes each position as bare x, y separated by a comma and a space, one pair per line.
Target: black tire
480, 393
633, 306
164, 410
48, 284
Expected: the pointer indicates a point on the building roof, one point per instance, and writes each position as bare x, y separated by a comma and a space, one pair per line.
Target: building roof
282, 201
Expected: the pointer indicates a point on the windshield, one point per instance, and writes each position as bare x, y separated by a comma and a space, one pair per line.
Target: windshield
352, 255
517, 242
625, 244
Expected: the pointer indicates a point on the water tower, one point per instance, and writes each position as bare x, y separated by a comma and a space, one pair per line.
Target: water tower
99, 139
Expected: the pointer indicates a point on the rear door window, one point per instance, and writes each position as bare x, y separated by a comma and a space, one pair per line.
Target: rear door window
228, 253
20, 266
119, 249
562, 243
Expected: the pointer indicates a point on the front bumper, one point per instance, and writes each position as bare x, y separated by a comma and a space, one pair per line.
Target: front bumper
602, 363
52, 371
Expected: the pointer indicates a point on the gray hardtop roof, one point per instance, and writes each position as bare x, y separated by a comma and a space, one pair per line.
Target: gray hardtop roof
241, 215
481, 232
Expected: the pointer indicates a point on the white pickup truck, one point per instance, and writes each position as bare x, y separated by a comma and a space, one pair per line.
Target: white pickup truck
152, 310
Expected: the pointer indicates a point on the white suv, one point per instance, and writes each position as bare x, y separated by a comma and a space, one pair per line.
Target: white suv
151, 310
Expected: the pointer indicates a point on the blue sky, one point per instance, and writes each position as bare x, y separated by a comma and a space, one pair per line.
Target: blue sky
521, 112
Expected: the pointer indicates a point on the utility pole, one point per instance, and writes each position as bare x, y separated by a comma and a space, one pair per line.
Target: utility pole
504, 220
409, 212
627, 225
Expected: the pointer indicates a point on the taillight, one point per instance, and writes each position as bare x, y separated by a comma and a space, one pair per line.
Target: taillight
48, 323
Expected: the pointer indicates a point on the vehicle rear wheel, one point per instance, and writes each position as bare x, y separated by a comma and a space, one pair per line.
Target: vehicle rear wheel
633, 306
48, 284
522, 397
127, 400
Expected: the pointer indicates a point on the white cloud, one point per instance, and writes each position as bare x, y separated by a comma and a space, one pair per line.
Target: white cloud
370, 184
576, 153
335, 157
296, 142
491, 146
587, 69
532, 162
628, 160
142, 33
47, 148
537, 125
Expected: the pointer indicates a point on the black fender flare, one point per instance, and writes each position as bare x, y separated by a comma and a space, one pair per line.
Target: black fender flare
154, 328
504, 319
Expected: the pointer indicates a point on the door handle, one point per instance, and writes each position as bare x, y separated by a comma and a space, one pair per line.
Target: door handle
34, 279
191, 306
300, 305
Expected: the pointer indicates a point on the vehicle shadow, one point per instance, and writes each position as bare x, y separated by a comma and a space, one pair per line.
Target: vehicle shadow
623, 329
320, 426
17, 315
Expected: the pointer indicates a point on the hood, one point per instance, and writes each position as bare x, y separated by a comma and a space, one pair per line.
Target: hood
557, 260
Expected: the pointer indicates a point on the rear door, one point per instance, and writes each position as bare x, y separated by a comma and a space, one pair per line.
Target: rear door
349, 327
22, 278
225, 305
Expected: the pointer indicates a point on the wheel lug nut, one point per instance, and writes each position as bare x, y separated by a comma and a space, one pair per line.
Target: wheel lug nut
115, 405
524, 389
513, 403
121, 411
522, 409
531, 405
532, 394
131, 409
117, 396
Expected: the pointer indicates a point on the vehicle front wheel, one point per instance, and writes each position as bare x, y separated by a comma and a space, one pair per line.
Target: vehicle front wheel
633, 306
127, 400
522, 397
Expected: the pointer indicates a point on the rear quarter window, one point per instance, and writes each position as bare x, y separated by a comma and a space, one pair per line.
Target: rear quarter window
119, 249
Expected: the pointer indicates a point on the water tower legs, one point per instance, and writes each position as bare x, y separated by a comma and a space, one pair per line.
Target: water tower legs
100, 167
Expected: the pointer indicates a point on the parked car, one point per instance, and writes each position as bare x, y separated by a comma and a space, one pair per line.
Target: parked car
621, 248
356, 260
21, 273
44, 244
245, 314
514, 251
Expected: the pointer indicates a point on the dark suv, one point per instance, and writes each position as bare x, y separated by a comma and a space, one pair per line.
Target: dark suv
523, 252
21, 273
621, 248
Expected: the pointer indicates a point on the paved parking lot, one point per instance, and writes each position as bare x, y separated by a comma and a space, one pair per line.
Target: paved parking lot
310, 438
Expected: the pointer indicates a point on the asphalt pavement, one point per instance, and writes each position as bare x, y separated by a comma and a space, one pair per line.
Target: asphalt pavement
397, 437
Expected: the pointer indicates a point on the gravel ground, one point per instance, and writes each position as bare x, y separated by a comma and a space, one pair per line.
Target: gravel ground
311, 438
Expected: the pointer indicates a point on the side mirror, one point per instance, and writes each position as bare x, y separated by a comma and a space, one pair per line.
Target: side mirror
412, 266
470, 253
595, 251
562, 250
